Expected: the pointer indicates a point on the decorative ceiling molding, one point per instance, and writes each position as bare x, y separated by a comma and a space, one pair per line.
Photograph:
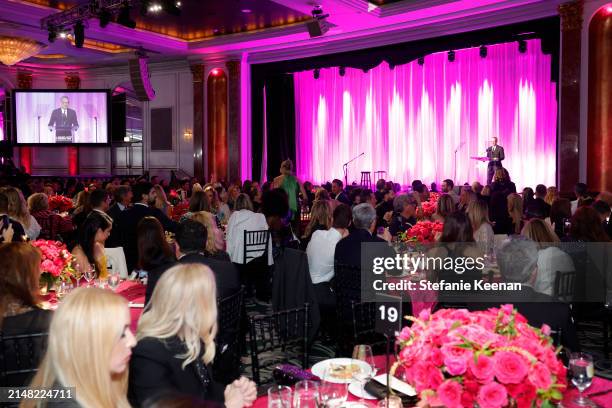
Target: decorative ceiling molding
392, 9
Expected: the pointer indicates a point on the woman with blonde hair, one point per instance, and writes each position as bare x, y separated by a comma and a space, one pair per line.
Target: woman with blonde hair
89, 348
515, 211
478, 214
218, 208
160, 200
215, 243
320, 219
551, 195
18, 210
551, 259
176, 342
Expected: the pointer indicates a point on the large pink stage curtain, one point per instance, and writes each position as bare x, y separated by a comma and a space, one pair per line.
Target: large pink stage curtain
410, 120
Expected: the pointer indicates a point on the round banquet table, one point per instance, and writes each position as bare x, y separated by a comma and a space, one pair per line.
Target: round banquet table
132, 291
599, 384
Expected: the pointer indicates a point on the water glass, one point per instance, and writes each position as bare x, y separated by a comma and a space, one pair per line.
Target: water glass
332, 394
113, 280
279, 396
90, 273
581, 368
62, 289
392, 401
363, 352
306, 395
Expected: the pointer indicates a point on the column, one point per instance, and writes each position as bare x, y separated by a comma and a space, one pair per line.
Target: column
24, 81
73, 81
197, 71
569, 124
233, 68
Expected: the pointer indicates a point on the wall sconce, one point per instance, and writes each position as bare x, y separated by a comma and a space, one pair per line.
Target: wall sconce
188, 134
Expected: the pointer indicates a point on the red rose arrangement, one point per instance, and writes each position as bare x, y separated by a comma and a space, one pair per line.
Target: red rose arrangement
492, 358
429, 207
56, 261
60, 203
422, 232
179, 210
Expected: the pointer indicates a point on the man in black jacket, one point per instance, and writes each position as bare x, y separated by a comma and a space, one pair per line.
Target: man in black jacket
538, 207
495, 154
123, 198
190, 241
338, 193
129, 219
65, 121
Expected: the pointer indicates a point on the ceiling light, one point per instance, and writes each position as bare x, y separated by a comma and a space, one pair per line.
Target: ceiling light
16, 49
63, 34
155, 8
451, 56
246, 11
483, 51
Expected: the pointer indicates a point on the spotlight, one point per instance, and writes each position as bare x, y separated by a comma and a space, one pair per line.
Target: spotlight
342, 71
421, 60
63, 34
522, 46
124, 16
483, 51
451, 56
105, 17
172, 7
317, 73
79, 34
52, 33
155, 8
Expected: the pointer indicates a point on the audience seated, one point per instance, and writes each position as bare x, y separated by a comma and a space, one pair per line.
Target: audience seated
515, 211
89, 348
448, 188
215, 241
560, 212
19, 299
517, 260
176, 342
581, 191
586, 227
478, 214
190, 244
603, 209
320, 219
52, 225
13, 229
154, 253
123, 198
18, 211
338, 193
244, 219
538, 208
444, 207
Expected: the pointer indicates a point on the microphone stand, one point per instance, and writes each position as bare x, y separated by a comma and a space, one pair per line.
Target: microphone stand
38, 128
96, 119
455, 165
345, 168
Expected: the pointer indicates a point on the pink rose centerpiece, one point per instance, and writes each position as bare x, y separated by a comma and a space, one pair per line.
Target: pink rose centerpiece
429, 206
56, 262
491, 359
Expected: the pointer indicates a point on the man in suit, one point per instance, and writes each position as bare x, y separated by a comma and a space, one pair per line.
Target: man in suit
518, 263
65, 122
538, 208
338, 193
123, 198
495, 154
129, 219
190, 241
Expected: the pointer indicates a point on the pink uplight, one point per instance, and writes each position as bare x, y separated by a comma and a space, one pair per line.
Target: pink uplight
215, 71
609, 9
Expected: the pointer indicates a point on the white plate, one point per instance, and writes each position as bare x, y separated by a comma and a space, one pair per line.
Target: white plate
397, 385
320, 368
355, 389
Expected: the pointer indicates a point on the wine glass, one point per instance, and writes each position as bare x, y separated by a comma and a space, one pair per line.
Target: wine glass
363, 352
113, 280
279, 397
333, 394
306, 394
90, 274
581, 367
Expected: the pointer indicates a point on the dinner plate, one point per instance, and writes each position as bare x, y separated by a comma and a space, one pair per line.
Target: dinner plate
320, 368
355, 389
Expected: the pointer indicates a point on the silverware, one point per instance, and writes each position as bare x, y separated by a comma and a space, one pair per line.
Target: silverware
598, 393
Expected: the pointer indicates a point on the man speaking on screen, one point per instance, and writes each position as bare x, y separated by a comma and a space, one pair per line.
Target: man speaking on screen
65, 121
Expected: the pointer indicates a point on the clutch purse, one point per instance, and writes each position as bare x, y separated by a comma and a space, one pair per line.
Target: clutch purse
379, 391
288, 374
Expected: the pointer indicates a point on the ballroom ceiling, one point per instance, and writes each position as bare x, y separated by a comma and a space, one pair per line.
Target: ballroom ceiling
200, 19
266, 30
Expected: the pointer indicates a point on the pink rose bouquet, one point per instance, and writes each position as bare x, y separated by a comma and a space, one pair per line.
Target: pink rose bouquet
60, 203
491, 358
429, 207
56, 261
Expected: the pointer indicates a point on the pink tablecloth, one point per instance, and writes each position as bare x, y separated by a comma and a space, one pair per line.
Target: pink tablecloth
599, 384
133, 291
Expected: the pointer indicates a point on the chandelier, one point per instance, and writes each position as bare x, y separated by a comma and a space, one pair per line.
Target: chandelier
15, 49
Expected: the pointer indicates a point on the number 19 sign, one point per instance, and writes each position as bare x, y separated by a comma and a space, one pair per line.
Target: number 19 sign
388, 314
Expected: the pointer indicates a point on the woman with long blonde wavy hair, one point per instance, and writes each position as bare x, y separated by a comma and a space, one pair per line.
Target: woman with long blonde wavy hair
18, 210
176, 346
89, 348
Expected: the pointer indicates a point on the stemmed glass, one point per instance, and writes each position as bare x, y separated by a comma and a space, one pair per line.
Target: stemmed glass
363, 352
306, 395
333, 394
113, 280
90, 274
78, 274
581, 367
279, 397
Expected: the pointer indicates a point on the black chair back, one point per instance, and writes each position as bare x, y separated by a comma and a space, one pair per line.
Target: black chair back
565, 286
20, 356
227, 359
280, 332
255, 242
